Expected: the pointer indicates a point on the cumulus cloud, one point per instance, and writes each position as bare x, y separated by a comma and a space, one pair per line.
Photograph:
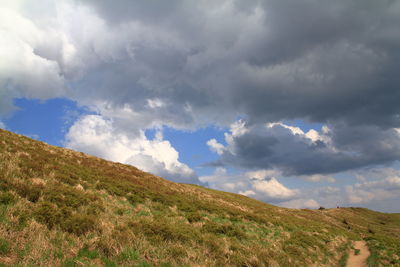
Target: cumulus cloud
378, 190
318, 178
215, 146
259, 184
300, 204
273, 189
2, 125
96, 135
27, 68
312, 155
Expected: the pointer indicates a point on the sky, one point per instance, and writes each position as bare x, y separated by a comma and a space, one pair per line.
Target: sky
291, 102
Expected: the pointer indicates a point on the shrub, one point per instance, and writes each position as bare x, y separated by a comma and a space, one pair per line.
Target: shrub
134, 199
343, 259
128, 254
4, 184
23, 220
194, 217
29, 191
6, 198
161, 229
63, 195
95, 208
48, 214
177, 251
223, 229
69, 263
86, 253
79, 224
4, 246
108, 263
51, 215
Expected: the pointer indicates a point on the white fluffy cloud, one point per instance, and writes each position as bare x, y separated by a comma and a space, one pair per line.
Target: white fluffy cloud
318, 178
273, 189
28, 66
215, 146
96, 135
300, 204
373, 191
257, 184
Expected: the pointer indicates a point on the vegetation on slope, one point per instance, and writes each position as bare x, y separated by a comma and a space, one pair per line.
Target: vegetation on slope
64, 208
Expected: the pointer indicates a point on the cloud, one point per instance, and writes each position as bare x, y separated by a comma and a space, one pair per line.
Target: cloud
215, 146
318, 178
96, 135
259, 184
273, 189
379, 189
24, 70
212, 61
371, 191
2, 125
300, 204
261, 174
312, 155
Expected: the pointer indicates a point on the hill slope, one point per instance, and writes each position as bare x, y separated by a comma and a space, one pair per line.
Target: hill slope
60, 207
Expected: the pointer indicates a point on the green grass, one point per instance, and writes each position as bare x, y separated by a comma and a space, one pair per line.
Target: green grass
66, 208
343, 259
4, 246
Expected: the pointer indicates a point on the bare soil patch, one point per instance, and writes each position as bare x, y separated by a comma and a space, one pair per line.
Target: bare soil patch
359, 255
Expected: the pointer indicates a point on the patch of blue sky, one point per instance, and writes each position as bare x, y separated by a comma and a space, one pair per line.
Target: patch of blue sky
47, 121
192, 146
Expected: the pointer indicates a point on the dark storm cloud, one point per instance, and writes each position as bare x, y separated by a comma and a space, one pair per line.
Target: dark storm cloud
271, 60
343, 148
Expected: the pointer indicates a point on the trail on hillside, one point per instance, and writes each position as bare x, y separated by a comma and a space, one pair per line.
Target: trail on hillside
359, 260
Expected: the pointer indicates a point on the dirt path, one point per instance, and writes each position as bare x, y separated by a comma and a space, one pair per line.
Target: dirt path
359, 260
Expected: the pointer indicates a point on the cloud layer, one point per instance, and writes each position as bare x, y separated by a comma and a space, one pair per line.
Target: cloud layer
213, 60
334, 149
144, 65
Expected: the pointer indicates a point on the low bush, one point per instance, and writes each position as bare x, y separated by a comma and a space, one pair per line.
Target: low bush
128, 254
134, 199
6, 198
223, 229
85, 252
162, 229
79, 224
29, 191
194, 217
4, 246
49, 214
63, 195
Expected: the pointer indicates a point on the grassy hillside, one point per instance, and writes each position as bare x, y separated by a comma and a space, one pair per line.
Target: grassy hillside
60, 207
